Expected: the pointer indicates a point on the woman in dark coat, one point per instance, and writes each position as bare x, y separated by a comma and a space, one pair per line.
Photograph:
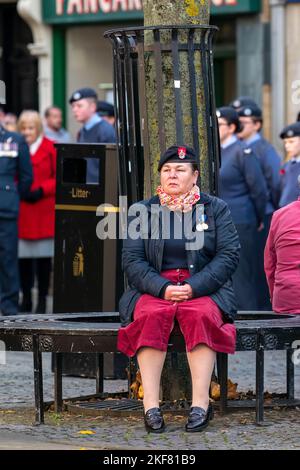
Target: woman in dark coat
179, 256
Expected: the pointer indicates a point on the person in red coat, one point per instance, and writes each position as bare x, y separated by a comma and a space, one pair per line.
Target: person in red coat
282, 259
37, 214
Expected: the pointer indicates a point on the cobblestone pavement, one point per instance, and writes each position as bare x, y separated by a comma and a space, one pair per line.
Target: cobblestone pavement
234, 431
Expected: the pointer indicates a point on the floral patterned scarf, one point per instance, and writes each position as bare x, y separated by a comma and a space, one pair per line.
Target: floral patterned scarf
183, 203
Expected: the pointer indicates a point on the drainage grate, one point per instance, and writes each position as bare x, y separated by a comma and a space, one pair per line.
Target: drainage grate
123, 407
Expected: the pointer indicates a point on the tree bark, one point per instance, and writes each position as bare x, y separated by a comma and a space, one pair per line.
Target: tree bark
176, 383
174, 12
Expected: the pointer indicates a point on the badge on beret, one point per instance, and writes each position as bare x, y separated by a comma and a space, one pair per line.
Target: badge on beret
248, 112
219, 114
237, 104
182, 153
76, 96
290, 133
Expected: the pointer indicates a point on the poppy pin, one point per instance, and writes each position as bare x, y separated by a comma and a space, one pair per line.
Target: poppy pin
182, 153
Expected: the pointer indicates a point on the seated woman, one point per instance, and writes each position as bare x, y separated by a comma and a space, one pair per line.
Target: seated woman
282, 259
171, 279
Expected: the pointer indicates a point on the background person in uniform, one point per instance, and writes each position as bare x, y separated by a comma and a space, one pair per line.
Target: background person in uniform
282, 257
2, 114
15, 181
107, 112
291, 170
53, 128
242, 185
10, 122
241, 102
36, 220
170, 281
95, 129
252, 122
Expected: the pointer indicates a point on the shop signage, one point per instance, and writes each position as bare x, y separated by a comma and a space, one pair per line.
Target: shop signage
87, 11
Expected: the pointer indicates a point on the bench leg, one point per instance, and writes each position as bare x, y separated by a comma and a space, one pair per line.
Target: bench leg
38, 381
290, 374
58, 397
259, 386
99, 373
222, 372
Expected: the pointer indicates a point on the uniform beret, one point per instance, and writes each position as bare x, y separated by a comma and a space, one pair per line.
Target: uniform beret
250, 111
243, 101
105, 109
293, 130
177, 153
83, 93
231, 116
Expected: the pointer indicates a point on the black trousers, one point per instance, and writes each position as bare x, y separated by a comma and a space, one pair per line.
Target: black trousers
9, 273
244, 279
262, 289
31, 268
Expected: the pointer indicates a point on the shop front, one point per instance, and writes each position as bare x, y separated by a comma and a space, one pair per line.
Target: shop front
82, 57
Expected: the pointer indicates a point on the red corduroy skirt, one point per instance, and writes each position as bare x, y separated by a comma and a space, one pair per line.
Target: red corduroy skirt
200, 321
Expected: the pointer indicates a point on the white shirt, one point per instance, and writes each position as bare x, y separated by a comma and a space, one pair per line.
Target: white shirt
35, 145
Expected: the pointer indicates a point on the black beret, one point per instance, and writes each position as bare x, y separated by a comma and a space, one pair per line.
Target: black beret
105, 109
293, 130
231, 116
178, 153
250, 111
83, 93
243, 101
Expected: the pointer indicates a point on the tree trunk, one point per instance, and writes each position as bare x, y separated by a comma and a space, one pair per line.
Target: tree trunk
174, 12
176, 382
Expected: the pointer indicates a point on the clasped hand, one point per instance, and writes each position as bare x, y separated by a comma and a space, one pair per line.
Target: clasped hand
179, 293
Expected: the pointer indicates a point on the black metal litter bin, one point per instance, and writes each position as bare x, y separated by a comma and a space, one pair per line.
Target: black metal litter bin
87, 273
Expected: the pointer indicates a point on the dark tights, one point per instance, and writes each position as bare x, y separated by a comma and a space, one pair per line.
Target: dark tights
29, 268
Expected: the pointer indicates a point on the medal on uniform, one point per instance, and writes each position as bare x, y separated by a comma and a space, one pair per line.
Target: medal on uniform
202, 225
8, 149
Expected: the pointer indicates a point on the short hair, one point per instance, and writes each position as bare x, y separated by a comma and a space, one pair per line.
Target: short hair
91, 99
49, 109
30, 115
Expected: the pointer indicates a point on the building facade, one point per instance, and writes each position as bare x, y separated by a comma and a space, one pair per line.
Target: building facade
256, 52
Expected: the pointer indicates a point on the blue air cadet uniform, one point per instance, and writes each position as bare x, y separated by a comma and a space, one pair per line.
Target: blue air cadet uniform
15, 181
95, 131
242, 186
270, 163
290, 171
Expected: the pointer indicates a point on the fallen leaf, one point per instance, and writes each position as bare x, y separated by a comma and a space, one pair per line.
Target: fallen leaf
231, 390
86, 433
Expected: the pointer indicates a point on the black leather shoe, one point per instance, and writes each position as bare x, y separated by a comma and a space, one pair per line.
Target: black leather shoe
154, 421
199, 419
